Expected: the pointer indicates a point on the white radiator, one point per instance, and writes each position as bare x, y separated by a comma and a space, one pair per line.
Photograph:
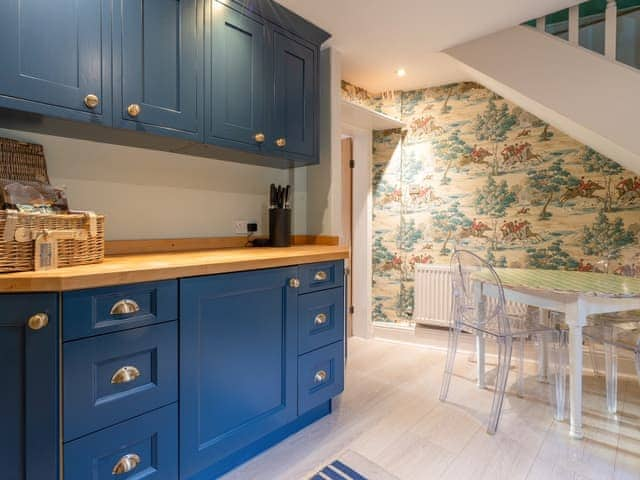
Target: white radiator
432, 302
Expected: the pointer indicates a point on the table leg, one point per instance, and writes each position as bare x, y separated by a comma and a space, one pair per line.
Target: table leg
543, 348
575, 321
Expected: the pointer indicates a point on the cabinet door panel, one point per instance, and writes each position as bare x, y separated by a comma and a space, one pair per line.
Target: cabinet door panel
238, 363
158, 51
52, 54
295, 97
29, 401
235, 76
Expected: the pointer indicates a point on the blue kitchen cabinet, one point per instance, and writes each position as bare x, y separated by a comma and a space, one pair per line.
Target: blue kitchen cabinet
29, 444
157, 67
238, 364
235, 77
295, 107
55, 58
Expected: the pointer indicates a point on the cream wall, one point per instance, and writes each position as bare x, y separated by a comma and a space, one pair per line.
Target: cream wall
153, 194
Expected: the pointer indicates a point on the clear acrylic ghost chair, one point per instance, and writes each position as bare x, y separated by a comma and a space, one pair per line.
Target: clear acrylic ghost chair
615, 331
470, 312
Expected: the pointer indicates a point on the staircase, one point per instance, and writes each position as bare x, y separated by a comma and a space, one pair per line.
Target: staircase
577, 69
608, 27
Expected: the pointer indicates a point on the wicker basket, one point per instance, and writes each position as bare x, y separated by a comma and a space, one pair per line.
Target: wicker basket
25, 162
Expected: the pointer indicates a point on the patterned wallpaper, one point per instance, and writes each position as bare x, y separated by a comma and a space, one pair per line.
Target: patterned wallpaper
475, 171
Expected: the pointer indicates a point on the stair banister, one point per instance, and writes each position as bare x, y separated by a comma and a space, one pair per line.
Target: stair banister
574, 25
610, 29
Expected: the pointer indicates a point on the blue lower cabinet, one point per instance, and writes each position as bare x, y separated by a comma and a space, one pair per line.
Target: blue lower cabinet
238, 364
110, 378
320, 376
144, 448
29, 435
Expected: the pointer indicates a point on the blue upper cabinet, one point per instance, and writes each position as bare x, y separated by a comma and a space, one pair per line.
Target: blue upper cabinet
55, 58
157, 66
29, 444
238, 364
295, 104
235, 77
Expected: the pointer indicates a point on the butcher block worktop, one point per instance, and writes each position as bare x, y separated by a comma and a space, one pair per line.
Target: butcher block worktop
125, 269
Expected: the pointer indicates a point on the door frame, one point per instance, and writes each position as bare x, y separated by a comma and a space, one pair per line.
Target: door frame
361, 242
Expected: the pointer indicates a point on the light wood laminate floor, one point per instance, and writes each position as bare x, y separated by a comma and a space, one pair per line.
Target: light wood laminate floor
390, 414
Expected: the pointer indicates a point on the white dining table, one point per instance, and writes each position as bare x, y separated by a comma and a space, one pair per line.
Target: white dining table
577, 295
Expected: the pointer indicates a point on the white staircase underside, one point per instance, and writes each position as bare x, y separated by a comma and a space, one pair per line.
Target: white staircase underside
594, 100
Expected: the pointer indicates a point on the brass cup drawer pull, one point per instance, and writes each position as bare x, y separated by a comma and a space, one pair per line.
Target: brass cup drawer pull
320, 319
127, 463
259, 137
91, 101
38, 321
320, 276
125, 307
294, 283
320, 376
125, 375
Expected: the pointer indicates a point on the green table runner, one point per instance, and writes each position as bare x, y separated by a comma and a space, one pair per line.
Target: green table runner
560, 281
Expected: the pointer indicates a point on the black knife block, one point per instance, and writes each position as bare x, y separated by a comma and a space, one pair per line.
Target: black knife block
280, 227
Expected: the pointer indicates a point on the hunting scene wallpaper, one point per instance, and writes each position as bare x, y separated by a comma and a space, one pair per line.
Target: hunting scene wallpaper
475, 171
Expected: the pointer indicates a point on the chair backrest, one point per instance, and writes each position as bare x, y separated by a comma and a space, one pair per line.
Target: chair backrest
468, 272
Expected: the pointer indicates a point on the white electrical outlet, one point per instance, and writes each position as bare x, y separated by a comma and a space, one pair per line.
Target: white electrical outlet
240, 227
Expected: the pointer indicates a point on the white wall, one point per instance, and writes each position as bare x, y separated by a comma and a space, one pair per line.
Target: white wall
152, 194
588, 97
324, 181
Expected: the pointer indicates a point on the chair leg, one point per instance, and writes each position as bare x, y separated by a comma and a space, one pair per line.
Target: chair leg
543, 358
611, 376
543, 348
560, 350
521, 368
454, 333
592, 356
504, 362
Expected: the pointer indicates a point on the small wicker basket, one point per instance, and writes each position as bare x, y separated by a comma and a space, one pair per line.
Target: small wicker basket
80, 235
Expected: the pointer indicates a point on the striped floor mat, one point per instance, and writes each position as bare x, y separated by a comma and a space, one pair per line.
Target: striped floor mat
352, 466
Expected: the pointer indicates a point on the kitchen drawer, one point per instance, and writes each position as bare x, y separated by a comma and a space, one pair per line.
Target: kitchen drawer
103, 310
320, 276
110, 378
148, 442
320, 319
320, 376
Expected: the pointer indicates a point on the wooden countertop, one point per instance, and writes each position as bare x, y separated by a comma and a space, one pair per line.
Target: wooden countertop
123, 269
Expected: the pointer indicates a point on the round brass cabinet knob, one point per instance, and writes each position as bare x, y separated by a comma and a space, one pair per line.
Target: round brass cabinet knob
281, 142
259, 137
91, 101
38, 321
294, 283
320, 319
320, 376
134, 110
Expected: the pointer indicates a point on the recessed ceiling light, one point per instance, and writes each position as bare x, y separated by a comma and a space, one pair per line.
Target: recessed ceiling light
401, 72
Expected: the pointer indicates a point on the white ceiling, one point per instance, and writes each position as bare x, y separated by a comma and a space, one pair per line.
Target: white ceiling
376, 37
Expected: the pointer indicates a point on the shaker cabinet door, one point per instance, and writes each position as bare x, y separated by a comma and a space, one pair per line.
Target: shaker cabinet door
294, 111
234, 78
29, 400
51, 56
157, 66
238, 364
